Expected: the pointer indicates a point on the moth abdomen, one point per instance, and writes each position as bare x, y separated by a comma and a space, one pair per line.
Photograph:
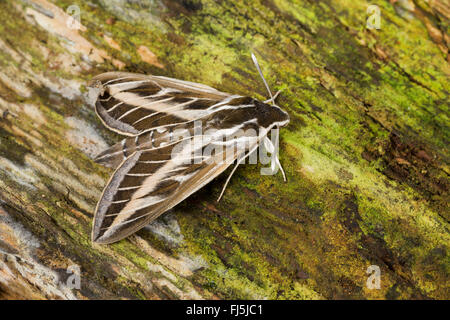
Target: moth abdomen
115, 155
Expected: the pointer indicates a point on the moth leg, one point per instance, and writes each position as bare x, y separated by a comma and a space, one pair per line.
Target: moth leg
228, 180
234, 169
281, 168
269, 145
271, 148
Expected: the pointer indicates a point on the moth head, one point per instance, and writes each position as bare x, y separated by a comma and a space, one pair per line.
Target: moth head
271, 115
281, 117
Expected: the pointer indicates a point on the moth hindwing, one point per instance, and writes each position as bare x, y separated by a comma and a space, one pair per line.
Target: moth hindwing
164, 158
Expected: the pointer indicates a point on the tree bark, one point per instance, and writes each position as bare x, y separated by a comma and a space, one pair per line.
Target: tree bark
366, 151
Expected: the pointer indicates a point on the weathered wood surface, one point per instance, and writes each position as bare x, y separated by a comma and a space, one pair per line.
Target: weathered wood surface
366, 152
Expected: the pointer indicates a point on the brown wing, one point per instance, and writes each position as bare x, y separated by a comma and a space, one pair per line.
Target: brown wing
132, 103
149, 183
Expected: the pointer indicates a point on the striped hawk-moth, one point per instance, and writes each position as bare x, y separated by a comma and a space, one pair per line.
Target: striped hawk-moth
156, 167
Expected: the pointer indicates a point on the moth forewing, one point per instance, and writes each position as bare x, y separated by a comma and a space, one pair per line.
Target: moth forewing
121, 215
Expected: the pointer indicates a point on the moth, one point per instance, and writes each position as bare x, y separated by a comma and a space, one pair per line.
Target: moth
151, 172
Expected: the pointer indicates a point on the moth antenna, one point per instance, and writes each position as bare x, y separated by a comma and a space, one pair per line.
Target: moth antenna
232, 172
255, 61
274, 97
